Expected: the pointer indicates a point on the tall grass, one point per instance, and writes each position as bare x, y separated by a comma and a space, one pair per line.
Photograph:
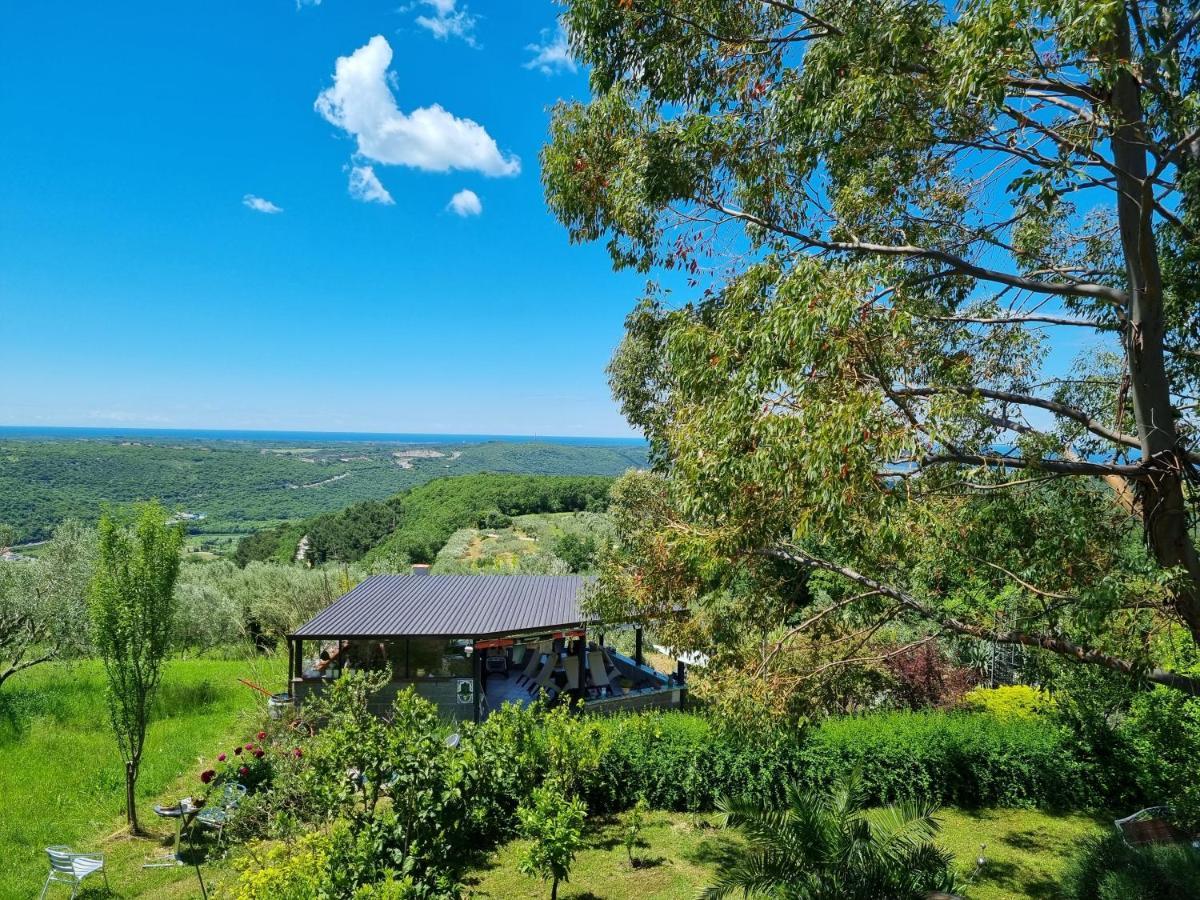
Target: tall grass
61, 778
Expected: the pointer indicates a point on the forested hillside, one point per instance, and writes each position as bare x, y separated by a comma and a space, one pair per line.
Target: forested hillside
414, 525
240, 486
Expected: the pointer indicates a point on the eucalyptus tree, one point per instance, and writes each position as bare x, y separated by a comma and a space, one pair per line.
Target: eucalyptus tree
939, 331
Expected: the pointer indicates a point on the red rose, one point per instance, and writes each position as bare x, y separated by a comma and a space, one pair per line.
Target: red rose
297, 753
243, 771
220, 757
262, 735
249, 746
258, 754
207, 775
237, 751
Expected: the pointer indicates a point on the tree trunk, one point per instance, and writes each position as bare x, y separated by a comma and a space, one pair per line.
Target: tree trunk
131, 775
554, 889
1163, 505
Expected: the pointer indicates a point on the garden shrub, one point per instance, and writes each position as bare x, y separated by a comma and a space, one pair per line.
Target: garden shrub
1160, 737
1108, 869
951, 758
682, 761
1012, 701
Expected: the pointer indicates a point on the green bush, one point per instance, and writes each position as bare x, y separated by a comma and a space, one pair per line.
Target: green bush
1161, 741
1013, 701
951, 758
1107, 869
684, 761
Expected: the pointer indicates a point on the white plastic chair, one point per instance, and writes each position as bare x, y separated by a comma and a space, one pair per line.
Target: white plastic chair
68, 867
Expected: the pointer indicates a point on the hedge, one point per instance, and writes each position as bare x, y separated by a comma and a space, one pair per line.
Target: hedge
682, 761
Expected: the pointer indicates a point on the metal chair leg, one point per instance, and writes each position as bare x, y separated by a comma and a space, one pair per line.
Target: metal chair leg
45, 887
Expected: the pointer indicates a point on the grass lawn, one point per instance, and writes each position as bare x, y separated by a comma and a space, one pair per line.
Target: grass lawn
1026, 851
62, 780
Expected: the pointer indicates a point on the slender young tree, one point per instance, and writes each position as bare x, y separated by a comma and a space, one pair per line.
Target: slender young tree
132, 609
897, 222
553, 824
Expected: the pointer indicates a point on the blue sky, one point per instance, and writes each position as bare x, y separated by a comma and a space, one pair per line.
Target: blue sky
147, 280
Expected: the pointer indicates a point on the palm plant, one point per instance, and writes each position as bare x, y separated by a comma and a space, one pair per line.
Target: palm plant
826, 846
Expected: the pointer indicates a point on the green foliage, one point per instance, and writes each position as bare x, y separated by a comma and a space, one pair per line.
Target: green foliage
553, 824
43, 602
833, 848
493, 518
966, 759
132, 603
684, 761
633, 827
1161, 737
219, 603
863, 390
577, 551
1018, 701
1108, 869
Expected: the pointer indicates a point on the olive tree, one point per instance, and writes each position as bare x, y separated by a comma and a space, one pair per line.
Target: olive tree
43, 601
132, 602
939, 333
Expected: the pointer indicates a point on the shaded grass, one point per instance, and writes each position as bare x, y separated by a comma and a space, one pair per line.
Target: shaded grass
62, 779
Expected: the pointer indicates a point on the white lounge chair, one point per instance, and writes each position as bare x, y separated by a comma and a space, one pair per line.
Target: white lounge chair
597, 671
535, 659
68, 867
571, 667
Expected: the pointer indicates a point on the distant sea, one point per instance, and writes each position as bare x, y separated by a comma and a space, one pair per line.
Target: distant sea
43, 432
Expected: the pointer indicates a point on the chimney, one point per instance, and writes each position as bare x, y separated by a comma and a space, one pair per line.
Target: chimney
420, 569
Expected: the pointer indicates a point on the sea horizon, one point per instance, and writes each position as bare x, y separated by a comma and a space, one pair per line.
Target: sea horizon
248, 435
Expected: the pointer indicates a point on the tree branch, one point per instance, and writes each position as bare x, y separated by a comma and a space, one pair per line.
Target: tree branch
1054, 644
957, 263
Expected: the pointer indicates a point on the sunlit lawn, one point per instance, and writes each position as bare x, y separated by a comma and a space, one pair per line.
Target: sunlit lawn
1026, 852
62, 780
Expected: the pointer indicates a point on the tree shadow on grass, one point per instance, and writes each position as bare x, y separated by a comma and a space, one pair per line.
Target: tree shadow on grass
1013, 880
714, 851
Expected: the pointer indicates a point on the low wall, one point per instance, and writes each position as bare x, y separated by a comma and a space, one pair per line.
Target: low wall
442, 692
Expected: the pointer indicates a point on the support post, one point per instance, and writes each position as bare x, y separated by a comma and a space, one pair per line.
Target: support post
478, 658
581, 653
637, 645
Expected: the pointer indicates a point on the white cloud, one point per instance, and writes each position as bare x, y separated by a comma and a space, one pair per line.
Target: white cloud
553, 55
465, 203
447, 20
361, 102
300, 4
365, 186
258, 204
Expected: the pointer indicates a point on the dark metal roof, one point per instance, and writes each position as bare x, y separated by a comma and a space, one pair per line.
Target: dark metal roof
451, 606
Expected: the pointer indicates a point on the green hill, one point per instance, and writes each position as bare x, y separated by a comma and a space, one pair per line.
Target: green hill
413, 526
232, 488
